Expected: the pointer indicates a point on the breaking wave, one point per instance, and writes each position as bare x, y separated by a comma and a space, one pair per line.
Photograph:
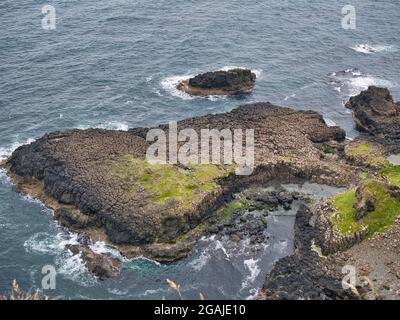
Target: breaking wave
368, 49
351, 82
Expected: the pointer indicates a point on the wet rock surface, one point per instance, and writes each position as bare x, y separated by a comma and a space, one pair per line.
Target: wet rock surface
230, 82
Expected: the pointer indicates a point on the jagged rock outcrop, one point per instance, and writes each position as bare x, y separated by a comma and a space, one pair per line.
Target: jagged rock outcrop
304, 275
365, 202
100, 265
230, 82
376, 113
99, 182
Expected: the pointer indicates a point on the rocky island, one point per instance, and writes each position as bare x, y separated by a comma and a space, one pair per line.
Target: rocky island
100, 185
230, 82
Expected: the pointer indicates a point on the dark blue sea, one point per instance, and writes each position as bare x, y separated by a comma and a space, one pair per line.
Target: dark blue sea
115, 63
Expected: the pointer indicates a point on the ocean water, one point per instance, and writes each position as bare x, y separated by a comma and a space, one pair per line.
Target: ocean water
114, 63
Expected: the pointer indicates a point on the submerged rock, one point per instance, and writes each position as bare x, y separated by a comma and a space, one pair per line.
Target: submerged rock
231, 82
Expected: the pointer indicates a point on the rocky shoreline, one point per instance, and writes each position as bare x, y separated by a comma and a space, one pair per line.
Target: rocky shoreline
99, 185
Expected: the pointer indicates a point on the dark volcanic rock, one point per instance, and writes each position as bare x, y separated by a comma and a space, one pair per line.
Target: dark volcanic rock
229, 82
76, 169
304, 275
98, 264
376, 113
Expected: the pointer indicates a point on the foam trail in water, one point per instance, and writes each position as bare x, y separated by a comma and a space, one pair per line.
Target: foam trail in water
109, 125
71, 266
101, 247
368, 49
329, 122
351, 82
252, 266
169, 84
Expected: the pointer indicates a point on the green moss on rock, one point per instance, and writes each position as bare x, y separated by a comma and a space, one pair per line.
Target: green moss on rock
392, 174
165, 181
366, 153
387, 209
345, 217
229, 208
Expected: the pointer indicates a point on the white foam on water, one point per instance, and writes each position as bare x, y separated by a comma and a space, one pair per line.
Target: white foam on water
291, 96
369, 49
74, 268
220, 246
4, 178
109, 125
153, 292
5, 152
101, 247
330, 122
146, 259
358, 84
252, 266
253, 294
114, 125
352, 81
117, 292
201, 261
257, 72
70, 266
45, 243
169, 84
338, 89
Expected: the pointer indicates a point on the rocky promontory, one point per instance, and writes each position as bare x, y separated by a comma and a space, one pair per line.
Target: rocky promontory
230, 82
100, 184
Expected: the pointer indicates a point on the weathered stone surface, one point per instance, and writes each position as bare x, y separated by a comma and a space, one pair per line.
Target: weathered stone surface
376, 113
230, 82
365, 202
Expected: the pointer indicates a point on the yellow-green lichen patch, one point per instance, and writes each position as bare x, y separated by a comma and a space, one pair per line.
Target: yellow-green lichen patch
163, 182
392, 174
228, 209
387, 209
366, 153
345, 216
